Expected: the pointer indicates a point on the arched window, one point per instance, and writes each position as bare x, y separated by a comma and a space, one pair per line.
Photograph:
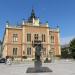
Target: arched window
43, 37
14, 51
28, 51
15, 37
28, 37
52, 39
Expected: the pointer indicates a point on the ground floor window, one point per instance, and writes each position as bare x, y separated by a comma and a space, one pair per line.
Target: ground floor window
14, 51
44, 51
28, 51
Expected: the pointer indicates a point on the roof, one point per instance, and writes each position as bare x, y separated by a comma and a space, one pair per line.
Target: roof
30, 19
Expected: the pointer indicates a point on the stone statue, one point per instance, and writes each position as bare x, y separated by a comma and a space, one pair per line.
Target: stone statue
38, 47
38, 63
38, 52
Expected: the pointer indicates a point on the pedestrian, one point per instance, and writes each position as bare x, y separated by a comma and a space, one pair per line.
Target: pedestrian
9, 62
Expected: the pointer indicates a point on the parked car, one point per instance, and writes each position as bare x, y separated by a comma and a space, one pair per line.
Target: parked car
2, 60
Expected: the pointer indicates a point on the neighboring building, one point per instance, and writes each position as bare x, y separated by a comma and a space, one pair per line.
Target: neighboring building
17, 41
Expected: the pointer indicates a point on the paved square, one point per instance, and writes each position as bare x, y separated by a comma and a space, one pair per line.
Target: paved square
62, 67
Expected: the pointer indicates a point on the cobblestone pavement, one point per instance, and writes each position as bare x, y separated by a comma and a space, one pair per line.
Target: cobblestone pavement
62, 67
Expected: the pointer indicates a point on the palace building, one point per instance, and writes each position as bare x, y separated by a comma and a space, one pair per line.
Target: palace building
17, 40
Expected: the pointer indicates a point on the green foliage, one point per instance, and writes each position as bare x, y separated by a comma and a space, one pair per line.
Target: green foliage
64, 53
72, 48
24, 57
69, 52
47, 60
72, 44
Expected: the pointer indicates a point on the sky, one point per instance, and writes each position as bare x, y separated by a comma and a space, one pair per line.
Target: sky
56, 12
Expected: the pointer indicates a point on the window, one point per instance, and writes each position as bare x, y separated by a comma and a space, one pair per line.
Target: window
15, 37
35, 36
43, 37
52, 50
52, 39
14, 51
28, 51
28, 37
44, 51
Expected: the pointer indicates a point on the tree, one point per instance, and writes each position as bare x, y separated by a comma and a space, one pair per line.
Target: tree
64, 53
72, 48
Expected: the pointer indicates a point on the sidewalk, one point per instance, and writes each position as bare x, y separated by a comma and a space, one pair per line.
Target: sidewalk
62, 67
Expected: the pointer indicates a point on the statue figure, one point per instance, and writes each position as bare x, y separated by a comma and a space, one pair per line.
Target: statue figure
38, 52
38, 48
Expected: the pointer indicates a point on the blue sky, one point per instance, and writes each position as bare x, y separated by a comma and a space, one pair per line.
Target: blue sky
56, 12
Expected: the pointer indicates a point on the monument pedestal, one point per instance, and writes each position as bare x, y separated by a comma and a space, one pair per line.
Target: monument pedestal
38, 64
38, 68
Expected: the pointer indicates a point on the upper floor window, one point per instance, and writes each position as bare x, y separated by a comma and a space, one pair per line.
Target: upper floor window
35, 36
14, 51
52, 39
15, 37
28, 37
43, 37
28, 51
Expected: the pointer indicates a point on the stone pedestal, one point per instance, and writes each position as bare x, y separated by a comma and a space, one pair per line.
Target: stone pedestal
38, 65
38, 68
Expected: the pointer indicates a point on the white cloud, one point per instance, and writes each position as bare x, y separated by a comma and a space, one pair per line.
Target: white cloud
66, 40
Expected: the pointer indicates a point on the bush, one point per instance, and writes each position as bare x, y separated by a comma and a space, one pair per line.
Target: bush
47, 60
33, 59
24, 57
7, 57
